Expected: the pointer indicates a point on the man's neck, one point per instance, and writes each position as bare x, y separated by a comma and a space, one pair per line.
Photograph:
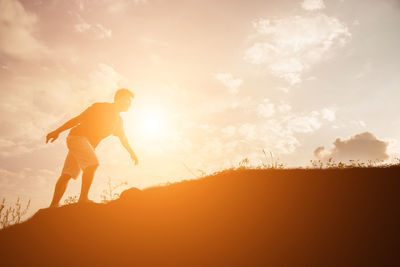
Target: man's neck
115, 107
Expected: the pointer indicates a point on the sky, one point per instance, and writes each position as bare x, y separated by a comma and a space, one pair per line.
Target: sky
214, 82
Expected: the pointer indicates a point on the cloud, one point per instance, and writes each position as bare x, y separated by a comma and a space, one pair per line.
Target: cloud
97, 30
364, 146
313, 4
23, 180
284, 107
304, 123
260, 124
112, 6
82, 27
229, 81
289, 46
121, 5
102, 32
359, 123
328, 114
103, 82
9, 148
287, 144
266, 109
17, 27
34, 105
27, 113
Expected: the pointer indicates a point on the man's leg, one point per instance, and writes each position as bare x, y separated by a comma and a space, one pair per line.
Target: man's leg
59, 189
87, 179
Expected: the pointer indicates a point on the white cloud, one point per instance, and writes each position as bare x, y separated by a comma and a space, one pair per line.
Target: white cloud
9, 148
98, 30
23, 179
229, 81
17, 27
284, 107
394, 149
102, 32
313, 4
117, 6
328, 114
103, 82
266, 109
82, 27
364, 146
304, 123
33, 106
289, 46
266, 124
287, 144
359, 123
25, 117
289, 69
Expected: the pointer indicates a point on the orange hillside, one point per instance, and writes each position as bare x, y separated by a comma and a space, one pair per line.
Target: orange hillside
341, 217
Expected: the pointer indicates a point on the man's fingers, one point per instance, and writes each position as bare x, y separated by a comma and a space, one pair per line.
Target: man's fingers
51, 139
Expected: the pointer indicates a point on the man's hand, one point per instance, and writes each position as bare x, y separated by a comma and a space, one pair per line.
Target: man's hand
134, 158
52, 136
125, 144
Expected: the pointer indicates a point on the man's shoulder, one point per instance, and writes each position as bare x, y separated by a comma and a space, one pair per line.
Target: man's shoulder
101, 106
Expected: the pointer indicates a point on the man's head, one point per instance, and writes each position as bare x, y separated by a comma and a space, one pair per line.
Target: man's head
123, 98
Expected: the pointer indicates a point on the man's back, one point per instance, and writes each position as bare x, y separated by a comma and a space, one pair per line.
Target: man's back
97, 122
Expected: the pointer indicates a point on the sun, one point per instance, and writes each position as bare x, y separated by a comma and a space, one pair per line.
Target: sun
153, 124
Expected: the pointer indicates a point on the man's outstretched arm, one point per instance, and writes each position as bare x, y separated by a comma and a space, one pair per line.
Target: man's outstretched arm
69, 124
125, 144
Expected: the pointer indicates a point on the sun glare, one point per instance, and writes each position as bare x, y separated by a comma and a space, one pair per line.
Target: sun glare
153, 124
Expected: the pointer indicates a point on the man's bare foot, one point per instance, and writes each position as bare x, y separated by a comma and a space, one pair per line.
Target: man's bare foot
85, 201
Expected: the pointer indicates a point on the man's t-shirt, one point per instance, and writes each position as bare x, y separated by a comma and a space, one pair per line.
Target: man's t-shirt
99, 121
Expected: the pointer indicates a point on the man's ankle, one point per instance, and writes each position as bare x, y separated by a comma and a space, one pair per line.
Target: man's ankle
84, 199
54, 205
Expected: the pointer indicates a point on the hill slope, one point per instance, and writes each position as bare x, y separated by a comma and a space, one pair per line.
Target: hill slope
338, 217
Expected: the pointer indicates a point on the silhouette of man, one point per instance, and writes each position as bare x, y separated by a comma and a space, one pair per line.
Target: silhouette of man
93, 125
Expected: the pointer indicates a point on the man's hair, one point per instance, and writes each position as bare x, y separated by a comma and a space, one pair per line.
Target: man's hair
123, 93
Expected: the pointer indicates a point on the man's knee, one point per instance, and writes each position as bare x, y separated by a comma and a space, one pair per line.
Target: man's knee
91, 168
65, 177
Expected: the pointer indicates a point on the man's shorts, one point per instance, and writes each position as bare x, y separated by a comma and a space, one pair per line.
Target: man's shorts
80, 155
